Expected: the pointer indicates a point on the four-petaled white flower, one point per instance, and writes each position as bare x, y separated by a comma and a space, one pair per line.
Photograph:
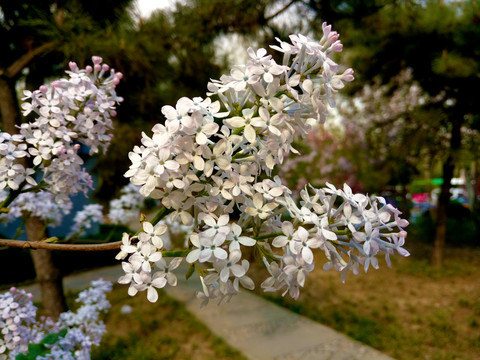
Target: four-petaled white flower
231, 267
167, 270
236, 238
258, 208
152, 235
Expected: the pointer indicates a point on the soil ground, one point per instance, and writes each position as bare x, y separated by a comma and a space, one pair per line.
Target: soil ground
411, 311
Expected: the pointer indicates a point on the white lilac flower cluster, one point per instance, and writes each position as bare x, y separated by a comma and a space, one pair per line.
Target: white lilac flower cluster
71, 111
127, 207
37, 204
212, 170
84, 219
20, 327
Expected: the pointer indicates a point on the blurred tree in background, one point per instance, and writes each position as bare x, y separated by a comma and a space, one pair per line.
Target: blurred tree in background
436, 42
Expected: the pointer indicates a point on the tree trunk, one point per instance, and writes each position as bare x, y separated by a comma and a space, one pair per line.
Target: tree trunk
9, 111
441, 226
48, 275
444, 198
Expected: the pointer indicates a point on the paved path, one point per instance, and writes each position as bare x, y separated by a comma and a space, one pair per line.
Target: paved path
258, 328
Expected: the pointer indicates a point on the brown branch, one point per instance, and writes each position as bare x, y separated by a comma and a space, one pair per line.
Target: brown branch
65, 247
281, 10
14, 69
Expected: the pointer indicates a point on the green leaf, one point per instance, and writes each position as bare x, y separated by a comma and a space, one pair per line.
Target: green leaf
190, 271
35, 350
53, 337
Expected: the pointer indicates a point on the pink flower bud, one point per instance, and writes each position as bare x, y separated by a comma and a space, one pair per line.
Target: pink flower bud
73, 66
332, 37
88, 68
105, 67
347, 75
402, 234
337, 46
116, 81
119, 75
97, 67
13, 289
56, 84
60, 150
43, 89
326, 29
97, 59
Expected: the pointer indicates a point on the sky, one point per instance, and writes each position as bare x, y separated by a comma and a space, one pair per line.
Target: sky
147, 6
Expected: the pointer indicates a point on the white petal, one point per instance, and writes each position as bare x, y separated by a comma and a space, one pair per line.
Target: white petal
175, 263
155, 256
171, 279
152, 294
307, 255
210, 128
220, 253
235, 256
201, 138
223, 163
250, 133
244, 240
301, 278
238, 270
159, 282
147, 227
235, 122
247, 283
198, 162
330, 235
193, 256
172, 165
224, 274
132, 290
223, 220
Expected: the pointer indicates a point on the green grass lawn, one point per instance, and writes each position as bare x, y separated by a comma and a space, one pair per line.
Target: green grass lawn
411, 311
164, 330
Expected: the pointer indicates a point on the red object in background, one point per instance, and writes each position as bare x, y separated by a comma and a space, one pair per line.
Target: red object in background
420, 198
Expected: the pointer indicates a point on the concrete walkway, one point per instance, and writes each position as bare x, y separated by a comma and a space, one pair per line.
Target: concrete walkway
258, 328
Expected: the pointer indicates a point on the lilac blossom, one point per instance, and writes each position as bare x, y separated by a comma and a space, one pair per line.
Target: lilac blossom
68, 112
20, 326
217, 180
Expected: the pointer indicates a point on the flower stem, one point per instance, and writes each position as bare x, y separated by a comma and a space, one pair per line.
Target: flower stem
158, 216
268, 236
178, 253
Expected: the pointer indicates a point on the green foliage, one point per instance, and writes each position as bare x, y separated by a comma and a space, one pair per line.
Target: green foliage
41, 349
462, 226
452, 65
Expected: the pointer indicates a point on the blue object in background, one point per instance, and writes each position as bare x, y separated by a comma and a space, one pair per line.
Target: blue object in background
63, 229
